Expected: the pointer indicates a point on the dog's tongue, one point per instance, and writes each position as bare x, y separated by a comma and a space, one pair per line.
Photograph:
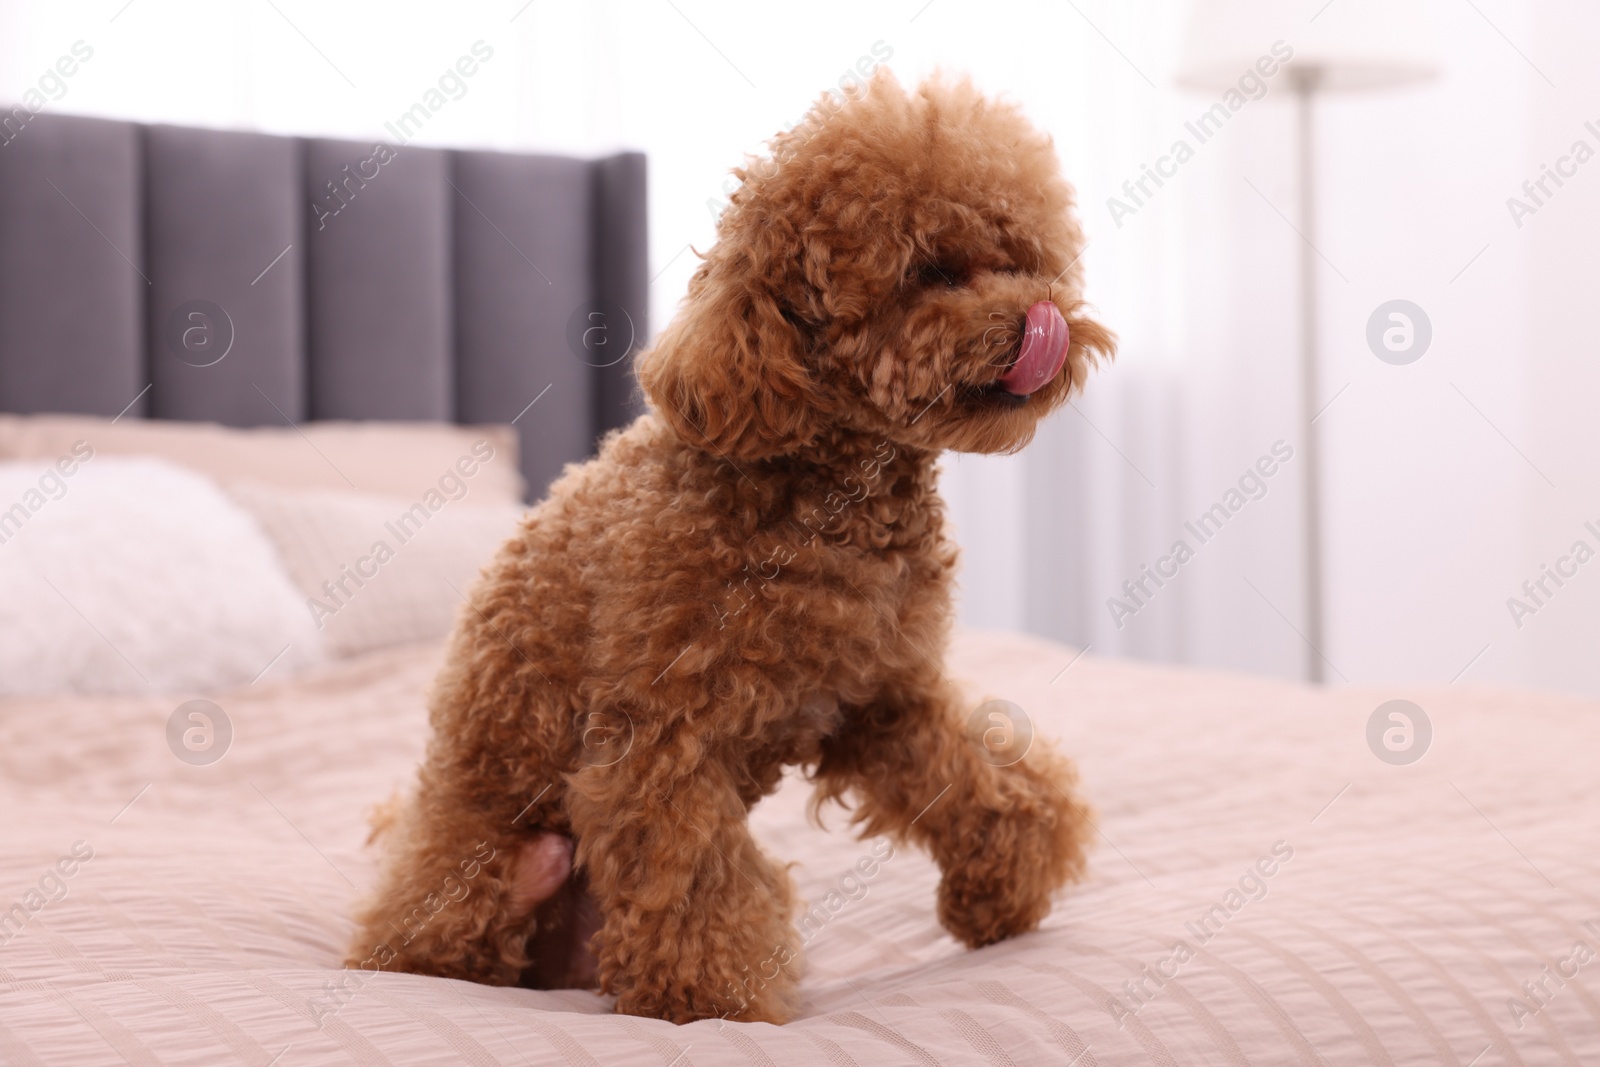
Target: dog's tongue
1044, 350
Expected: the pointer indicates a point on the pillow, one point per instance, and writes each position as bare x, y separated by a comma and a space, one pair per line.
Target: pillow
132, 575
402, 458
376, 571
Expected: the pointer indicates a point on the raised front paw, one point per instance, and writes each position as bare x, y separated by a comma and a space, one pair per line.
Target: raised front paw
1017, 858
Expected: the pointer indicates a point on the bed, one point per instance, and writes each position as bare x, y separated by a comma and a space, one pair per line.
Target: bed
1272, 884
208, 925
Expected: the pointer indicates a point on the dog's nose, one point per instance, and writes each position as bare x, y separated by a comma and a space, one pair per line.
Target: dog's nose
1045, 337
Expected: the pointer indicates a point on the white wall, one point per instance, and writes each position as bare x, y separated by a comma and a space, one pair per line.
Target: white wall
1434, 518
1427, 501
1560, 646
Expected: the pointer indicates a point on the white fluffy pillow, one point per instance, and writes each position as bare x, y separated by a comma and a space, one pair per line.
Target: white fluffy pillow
376, 571
132, 575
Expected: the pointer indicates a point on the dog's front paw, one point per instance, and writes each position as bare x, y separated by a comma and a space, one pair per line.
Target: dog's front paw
733, 954
1003, 885
721, 988
981, 905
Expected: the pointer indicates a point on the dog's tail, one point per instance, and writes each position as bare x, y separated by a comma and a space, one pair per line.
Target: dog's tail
383, 816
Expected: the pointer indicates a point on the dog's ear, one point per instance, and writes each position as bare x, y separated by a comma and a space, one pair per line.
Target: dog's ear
729, 374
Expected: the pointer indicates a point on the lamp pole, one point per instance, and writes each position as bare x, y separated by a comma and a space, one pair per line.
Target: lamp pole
1304, 81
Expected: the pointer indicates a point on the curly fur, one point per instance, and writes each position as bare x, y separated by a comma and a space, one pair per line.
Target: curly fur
757, 574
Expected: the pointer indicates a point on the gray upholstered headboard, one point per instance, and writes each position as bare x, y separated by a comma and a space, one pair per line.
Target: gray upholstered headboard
348, 281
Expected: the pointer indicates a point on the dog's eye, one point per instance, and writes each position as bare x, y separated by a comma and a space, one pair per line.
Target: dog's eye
938, 274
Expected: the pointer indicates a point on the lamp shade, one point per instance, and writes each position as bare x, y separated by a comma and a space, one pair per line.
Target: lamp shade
1344, 45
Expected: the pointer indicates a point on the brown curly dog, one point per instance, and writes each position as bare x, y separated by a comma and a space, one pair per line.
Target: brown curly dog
756, 574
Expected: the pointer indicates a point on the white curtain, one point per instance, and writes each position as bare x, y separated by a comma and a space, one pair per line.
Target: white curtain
1197, 282
1434, 516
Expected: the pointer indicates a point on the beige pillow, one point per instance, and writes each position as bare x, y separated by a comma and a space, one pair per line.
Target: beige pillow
400, 458
377, 570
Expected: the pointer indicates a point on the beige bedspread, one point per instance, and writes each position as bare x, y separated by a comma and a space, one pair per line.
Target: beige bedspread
1443, 912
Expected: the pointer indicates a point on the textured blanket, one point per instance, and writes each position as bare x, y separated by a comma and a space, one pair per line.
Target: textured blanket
1278, 881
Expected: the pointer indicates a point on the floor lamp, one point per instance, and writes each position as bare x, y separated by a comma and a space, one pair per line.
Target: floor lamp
1362, 45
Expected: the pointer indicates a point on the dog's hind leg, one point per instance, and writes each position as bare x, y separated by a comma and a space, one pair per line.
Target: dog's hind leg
565, 917
545, 885
450, 902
